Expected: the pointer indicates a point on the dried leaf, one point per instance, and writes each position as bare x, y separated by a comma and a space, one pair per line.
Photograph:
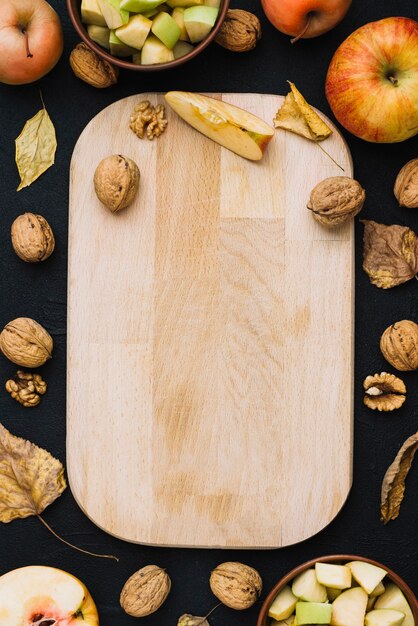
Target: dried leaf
30, 478
191, 620
390, 254
35, 148
299, 117
393, 487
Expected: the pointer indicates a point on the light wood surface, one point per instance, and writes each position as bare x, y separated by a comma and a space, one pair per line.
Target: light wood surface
210, 339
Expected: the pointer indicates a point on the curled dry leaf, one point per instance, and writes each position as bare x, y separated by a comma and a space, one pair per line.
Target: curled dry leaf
240, 31
384, 392
390, 254
35, 148
393, 487
299, 117
192, 620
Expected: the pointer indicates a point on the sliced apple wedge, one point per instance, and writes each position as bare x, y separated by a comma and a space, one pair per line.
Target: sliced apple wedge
307, 588
333, 593
231, 127
378, 590
334, 576
135, 32
367, 575
312, 613
91, 13
99, 34
283, 604
349, 609
393, 598
285, 622
384, 617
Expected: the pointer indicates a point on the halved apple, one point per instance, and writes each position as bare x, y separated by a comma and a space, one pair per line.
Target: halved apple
35, 594
231, 127
349, 609
393, 598
384, 617
307, 588
367, 575
283, 604
334, 576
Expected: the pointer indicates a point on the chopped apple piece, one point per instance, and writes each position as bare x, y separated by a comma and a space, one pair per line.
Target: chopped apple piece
199, 21
99, 34
306, 587
349, 609
378, 590
283, 604
181, 48
384, 617
212, 3
135, 32
333, 593
334, 576
91, 13
231, 127
370, 604
178, 16
289, 621
136, 58
113, 15
312, 613
367, 575
118, 48
154, 12
166, 29
393, 598
154, 51
184, 3
139, 6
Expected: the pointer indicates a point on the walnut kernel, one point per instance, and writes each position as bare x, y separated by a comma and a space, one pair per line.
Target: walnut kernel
399, 345
32, 238
240, 31
145, 591
406, 185
336, 200
236, 585
88, 66
384, 392
26, 343
149, 120
26, 388
116, 182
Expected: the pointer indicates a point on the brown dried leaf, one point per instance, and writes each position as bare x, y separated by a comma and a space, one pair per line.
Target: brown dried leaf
299, 117
393, 486
390, 254
192, 620
30, 478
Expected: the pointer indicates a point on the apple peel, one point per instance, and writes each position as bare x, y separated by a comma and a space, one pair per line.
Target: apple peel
393, 486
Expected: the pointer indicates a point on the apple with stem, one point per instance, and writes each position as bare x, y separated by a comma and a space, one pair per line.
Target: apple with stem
31, 40
372, 81
304, 19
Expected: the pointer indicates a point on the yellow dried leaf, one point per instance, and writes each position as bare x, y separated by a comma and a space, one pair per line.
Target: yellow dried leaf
35, 148
299, 117
191, 620
30, 477
393, 486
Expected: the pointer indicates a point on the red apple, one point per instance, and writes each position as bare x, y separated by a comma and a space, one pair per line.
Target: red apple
372, 82
31, 40
304, 19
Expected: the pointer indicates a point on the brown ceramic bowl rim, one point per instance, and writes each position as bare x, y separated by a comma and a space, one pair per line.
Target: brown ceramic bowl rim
74, 11
407, 591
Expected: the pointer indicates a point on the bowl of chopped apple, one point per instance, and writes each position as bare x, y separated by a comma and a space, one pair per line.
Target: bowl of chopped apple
340, 590
147, 35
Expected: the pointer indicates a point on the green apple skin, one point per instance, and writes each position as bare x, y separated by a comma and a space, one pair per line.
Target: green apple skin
378, 590
333, 593
184, 3
349, 609
366, 574
372, 81
140, 6
113, 14
181, 48
199, 21
118, 48
178, 16
312, 613
99, 34
135, 32
166, 29
393, 598
91, 13
384, 617
307, 588
212, 3
283, 604
154, 51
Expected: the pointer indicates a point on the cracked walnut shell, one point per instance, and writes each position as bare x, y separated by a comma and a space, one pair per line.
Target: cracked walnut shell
88, 66
26, 343
236, 585
116, 182
240, 31
336, 200
32, 238
384, 392
399, 345
406, 185
145, 591
26, 388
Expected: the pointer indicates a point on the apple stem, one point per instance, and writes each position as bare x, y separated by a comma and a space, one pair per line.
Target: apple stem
393, 80
101, 556
328, 155
303, 31
28, 52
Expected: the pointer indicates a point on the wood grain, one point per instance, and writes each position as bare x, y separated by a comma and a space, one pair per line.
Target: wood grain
210, 339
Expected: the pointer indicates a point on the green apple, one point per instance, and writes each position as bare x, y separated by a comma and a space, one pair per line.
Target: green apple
140, 6
212, 3
283, 604
118, 48
306, 587
113, 14
349, 608
289, 621
99, 34
370, 604
367, 575
91, 13
166, 29
178, 16
183, 3
158, 9
393, 598
181, 48
312, 613
135, 32
231, 127
334, 576
384, 617
199, 21
333, 593
154, 51
378, 590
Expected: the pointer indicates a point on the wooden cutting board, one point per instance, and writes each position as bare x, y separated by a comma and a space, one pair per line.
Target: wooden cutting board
210, 339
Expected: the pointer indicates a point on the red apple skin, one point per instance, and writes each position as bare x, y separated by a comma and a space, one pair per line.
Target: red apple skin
359, 89
291, 16
44, 35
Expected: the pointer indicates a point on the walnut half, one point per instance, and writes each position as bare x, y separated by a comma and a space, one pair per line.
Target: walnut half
26, 388
149, 120
384, 392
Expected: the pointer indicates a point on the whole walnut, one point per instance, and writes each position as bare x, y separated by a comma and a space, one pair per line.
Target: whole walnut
336, 200
145, 591
116, 181
32, 238
240, 31
236, 585
406, 185
25, 342
88, 66
399, 345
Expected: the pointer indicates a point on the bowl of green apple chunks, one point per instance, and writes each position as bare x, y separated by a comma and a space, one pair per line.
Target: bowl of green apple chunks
147, 35
340, 590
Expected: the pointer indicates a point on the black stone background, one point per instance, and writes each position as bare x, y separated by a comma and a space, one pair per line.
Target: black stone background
40, 292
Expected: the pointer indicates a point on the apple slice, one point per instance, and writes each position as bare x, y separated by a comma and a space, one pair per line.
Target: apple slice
113, 14
231, 127
139, 6
384, 617
154, 51
118, 48
135, 32
181, 48
307, 588
312, 613
367, 575
283, 604
99, 34
289, 621
378, 590
333, 576
38, 594
199, 21
212, 3
178, 16
91, 13
349, 608
166, 29
393, 598
184, 3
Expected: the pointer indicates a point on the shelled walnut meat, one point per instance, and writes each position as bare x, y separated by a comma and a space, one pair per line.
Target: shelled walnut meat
145, 591
32, 238
336, 200
26, 388
148, 120
116, 182
26, 343
236, 585
406, 185
384, 392
240, 31
399, 345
